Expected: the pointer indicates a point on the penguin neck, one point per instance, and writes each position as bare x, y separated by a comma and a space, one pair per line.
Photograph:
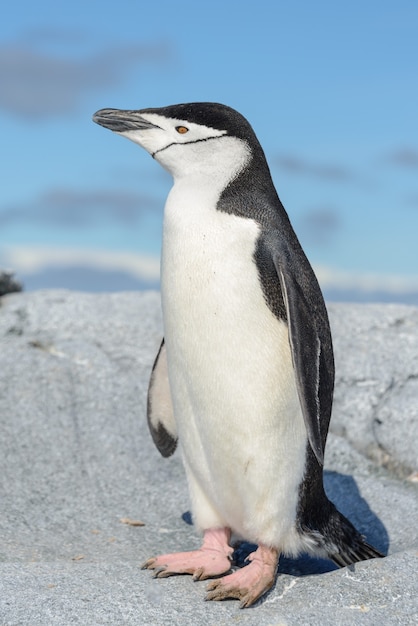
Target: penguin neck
209, 165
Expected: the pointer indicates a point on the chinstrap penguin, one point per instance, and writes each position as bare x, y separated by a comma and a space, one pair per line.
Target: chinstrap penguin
244, 377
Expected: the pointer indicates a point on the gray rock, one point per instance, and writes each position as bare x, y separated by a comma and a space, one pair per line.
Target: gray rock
375, 408
76, 458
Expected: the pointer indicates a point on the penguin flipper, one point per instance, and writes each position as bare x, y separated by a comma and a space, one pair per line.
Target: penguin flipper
310, 340
160, 413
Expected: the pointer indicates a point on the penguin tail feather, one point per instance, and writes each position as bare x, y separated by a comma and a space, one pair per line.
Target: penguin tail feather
348, 555
345, 545
336, 538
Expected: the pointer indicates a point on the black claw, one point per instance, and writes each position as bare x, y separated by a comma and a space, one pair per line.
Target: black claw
159, 572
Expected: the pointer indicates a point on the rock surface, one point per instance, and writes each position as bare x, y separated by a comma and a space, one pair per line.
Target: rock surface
76, 459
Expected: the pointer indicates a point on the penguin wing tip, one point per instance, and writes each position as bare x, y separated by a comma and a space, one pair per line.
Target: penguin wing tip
160, 413
318, 452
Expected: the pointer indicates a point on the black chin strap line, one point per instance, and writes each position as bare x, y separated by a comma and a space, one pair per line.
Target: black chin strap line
185, 143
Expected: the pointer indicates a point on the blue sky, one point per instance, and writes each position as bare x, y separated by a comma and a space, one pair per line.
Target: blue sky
331, 90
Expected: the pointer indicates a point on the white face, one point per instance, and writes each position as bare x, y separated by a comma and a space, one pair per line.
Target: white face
181, 146
170, 131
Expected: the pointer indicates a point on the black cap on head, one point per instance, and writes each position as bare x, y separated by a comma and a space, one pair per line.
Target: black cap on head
210, 114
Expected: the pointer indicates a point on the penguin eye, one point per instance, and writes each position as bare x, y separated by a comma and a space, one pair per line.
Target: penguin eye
182, 130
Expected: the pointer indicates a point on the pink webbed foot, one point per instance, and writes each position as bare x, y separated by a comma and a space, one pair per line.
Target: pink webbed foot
211, 560
249, 583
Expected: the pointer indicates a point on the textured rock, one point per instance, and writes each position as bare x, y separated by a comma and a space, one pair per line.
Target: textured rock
375, 407
76, 458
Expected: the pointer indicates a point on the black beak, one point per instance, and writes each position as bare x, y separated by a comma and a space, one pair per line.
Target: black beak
120, 121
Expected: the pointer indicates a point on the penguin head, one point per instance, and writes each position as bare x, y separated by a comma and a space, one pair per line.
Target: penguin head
186, 138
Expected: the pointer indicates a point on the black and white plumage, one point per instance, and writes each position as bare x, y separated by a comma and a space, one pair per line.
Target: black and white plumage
244, 377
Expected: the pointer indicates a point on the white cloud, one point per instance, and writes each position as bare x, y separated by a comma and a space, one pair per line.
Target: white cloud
331, 278
33, 259
36, 85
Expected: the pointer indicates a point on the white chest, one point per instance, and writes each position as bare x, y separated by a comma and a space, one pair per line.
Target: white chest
207, 255
230, 370
222, 339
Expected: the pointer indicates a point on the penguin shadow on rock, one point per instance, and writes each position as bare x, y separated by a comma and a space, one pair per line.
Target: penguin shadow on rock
342, 490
